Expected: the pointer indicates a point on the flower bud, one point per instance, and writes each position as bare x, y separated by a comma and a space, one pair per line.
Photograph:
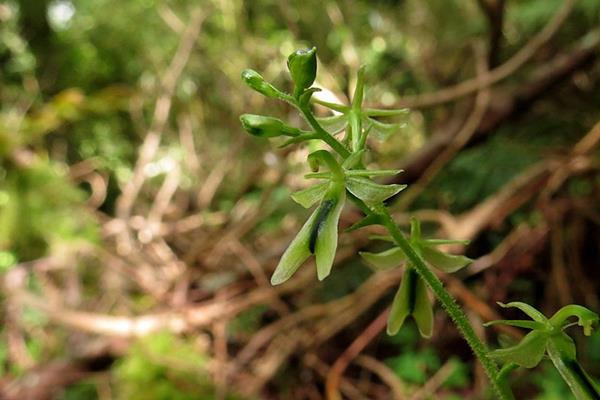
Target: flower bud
259, 125
258, 83
303, 68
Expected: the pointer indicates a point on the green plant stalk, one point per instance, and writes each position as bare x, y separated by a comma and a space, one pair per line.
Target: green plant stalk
580, 383
450, 305
448, 302
322, 133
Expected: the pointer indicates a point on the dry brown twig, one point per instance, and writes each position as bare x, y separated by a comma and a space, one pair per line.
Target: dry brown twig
161, 113
463, 136
335, 373
495, 75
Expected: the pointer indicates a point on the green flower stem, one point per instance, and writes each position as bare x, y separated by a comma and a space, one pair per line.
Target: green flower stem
322, 133
448, 302
580, 383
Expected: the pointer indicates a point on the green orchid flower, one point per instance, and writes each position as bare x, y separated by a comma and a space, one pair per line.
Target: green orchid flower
319, 235
411, 298
548, 337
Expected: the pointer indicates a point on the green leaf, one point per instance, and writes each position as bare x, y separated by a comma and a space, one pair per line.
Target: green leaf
371, 192
445, 262
385, 260
309, 196
326, 230
527, 353
334, 124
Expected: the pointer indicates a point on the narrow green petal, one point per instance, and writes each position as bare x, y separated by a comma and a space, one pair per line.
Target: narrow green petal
527, 309
423, 309
369, 191
371, 219
295, 255
527, 353
326, 231
518, 323
385, 260
443, 261
585, 318
403, 303
309, 196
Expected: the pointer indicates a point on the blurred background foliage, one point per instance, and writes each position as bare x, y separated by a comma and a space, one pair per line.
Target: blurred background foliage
138, 224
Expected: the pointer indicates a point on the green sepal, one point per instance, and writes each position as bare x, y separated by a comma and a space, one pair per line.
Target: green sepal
373, 172
382, 131
564, 344
304, 98
295, 255
442, 261
369, 191
527, 309
299, 139
371, 219
527, 353
302, 65
256, 82
334, 124
517, 323
309, 196
263, 126
385, 260
411, 299
384, 238
325, 230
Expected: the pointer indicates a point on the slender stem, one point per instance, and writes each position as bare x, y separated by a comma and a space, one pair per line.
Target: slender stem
580, 383
323, 134
448, 302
